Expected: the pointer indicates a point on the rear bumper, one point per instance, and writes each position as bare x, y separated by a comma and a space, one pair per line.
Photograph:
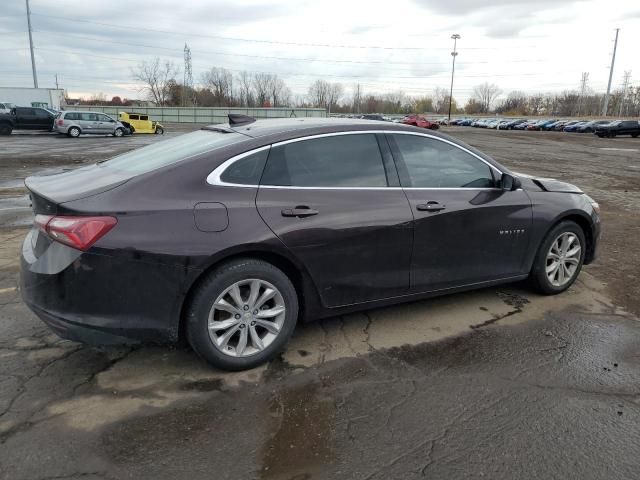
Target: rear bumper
103, 299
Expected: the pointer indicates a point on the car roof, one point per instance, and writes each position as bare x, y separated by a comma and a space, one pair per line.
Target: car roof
297, 127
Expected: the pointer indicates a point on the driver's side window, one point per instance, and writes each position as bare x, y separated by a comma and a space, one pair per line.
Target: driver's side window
430, 163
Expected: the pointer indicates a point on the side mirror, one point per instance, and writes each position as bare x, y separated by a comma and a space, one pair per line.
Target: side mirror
509, 182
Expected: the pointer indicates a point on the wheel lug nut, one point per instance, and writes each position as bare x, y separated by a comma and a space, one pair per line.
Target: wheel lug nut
253, 324
242, 325
237, 316
255, 312
246, 307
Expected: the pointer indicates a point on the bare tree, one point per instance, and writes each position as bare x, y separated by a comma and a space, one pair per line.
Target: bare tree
325, 94
319, 93
220, 81
486, 93
280, 93
262, 88
246, 95
155, 76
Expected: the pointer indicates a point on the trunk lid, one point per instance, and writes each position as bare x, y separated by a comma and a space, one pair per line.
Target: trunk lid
48, 192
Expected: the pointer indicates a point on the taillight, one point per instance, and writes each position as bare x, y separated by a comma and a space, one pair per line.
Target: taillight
76, 232
60, 121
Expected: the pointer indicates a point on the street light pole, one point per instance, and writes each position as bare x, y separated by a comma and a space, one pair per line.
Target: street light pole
33, 60
454, 54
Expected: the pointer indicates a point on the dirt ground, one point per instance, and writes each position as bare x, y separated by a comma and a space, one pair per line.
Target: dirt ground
500, 383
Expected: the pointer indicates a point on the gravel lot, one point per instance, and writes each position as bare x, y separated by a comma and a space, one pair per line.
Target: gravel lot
498, 383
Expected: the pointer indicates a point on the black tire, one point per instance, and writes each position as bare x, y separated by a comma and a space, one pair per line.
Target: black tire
5, 129
217, 282
635, 135
538, 275
159, 131
118, 132
74, 132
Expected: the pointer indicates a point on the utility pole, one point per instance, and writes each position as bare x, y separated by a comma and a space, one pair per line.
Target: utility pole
625, 88
33, 59
583, 90
454, 54
613, 61
57, 87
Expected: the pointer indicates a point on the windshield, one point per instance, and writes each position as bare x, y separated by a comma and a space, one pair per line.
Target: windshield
171, 151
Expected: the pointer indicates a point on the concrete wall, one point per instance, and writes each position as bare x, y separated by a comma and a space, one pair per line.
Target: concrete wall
203, 114
25, 96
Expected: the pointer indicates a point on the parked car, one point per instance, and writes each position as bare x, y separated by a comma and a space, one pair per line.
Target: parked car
373, 116
26, 118
466, 122
524, 125
539, 125
420, 121
140, 123
6, 107
551, 125
618, 127
233, 233
511, 124
74, 124
590, 127
575, 126
559, 127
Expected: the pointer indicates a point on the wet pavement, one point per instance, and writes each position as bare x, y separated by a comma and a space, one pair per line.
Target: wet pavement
498, 383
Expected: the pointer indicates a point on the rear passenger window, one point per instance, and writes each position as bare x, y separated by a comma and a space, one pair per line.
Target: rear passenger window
430, 163
246, 170
134, 117
334, 161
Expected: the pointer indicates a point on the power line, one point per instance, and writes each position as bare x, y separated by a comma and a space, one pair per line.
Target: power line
270, 57
269, 42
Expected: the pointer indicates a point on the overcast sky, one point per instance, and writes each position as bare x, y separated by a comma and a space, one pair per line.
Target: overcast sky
530, 45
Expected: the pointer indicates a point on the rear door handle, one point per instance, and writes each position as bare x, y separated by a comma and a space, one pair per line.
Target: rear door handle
300, 212
430, 207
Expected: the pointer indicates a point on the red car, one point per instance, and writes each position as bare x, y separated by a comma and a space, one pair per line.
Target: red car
420, 121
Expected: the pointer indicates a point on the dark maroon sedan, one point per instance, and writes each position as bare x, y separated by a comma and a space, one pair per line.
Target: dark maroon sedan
228, 235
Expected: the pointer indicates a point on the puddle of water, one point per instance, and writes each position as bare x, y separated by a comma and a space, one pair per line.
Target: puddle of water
300, 446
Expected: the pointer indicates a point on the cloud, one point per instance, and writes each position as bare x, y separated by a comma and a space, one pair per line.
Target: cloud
458, 7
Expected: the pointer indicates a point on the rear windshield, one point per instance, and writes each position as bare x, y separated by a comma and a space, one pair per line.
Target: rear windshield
171, 151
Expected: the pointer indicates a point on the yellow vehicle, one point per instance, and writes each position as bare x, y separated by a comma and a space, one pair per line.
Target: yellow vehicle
139, 123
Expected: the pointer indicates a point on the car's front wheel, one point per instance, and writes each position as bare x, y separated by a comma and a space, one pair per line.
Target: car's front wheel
74, 132
242, 314
559, 259
118, 132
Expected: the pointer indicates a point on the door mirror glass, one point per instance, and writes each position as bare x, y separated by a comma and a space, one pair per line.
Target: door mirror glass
509, 182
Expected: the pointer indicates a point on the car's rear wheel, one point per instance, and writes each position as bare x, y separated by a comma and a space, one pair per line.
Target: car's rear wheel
559, 258
73, 132
242, 314
159, 131
118, 132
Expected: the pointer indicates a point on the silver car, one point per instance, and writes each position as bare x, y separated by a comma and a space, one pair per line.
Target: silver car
75, 124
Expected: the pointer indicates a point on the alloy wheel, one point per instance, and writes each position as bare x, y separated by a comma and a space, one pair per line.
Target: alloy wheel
246, 317
563, 259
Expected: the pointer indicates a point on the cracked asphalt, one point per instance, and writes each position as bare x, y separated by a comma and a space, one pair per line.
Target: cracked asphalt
498, 383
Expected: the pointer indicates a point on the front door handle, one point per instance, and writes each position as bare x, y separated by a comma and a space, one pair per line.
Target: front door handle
430, 207
300, 212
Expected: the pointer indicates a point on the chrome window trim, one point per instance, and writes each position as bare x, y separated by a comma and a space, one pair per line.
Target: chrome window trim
214, 177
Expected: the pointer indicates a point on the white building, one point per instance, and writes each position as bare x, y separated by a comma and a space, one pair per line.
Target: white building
32, 97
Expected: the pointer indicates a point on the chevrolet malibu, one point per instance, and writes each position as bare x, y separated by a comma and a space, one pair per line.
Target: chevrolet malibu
229, 235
